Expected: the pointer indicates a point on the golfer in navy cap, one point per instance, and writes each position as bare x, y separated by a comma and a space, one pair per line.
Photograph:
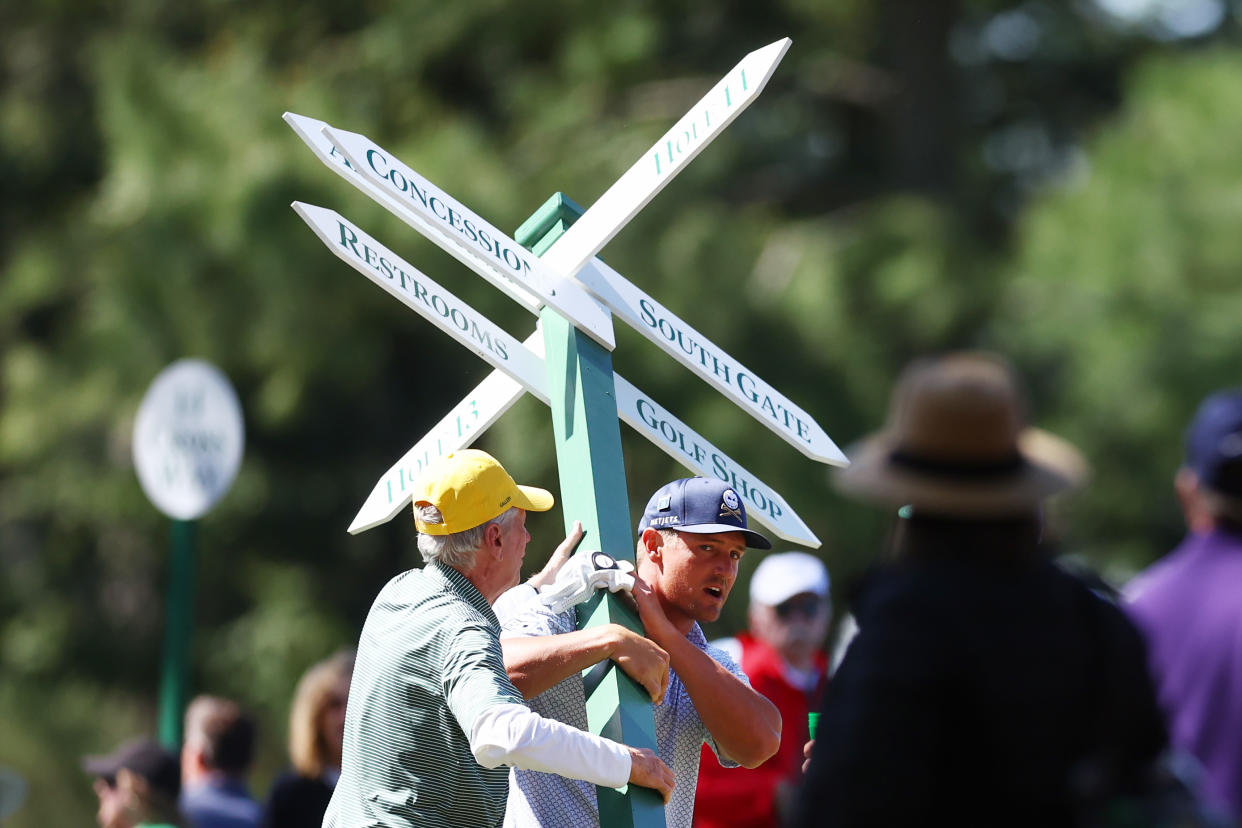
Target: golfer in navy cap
692, 536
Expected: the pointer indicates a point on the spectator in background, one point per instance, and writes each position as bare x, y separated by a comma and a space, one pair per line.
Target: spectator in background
215, 758
1189, 604
300, 796
137, 785
782, 655
986, 686
12, 793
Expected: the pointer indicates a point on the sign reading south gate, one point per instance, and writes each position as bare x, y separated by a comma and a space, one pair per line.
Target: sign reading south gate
692, 349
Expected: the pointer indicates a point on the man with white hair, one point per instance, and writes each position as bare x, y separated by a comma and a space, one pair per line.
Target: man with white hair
432, 717
782, 655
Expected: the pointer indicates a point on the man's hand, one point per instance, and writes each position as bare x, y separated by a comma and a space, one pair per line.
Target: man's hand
647, 770
655, 622
563, 552
806, 752
642, 660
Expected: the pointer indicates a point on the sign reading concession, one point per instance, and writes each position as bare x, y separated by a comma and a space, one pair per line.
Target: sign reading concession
492, 254
701, 355
311, 131
696, 129
428, 299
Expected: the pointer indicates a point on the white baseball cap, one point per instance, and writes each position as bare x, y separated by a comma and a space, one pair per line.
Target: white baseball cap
786, 574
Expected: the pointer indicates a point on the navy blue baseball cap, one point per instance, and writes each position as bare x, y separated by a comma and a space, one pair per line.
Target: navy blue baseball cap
700, 505
1214, 443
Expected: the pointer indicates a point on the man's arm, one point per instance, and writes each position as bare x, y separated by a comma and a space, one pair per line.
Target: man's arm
745, 725
510, 734
535, 664
501, 730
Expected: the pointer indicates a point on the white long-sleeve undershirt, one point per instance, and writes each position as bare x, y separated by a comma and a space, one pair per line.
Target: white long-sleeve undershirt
511, 734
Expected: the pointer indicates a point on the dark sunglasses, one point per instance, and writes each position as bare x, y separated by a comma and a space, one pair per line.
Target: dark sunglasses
806, 606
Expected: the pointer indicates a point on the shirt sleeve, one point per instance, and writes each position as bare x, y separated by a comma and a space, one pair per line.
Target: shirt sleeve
533, 619
512, 601
510, 734
474, 675
723, 658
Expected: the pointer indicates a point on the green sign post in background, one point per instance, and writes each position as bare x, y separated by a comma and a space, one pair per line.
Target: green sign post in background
188, 442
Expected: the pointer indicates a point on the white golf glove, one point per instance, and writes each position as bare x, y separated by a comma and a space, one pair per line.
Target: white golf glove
581, 575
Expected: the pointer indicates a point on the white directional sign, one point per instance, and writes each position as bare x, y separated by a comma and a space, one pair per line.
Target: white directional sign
311, 131
701, 355
645, 314
535, 281
457, 430
428, 299
188, 439
492, 254
689, 448
491, 398
696, 129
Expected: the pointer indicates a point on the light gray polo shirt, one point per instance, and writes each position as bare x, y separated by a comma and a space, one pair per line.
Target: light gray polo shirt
428, 663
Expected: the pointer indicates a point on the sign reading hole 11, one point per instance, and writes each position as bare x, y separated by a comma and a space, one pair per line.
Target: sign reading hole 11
188, 439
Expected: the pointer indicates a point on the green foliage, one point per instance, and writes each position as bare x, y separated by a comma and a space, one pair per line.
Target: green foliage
1125, 298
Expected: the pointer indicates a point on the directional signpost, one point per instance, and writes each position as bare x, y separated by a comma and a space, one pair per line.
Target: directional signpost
522, 364
550, 268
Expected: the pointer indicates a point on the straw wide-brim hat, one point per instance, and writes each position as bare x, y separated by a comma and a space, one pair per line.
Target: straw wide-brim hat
956, 444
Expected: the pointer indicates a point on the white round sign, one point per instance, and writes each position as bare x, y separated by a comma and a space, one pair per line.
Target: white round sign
188, 439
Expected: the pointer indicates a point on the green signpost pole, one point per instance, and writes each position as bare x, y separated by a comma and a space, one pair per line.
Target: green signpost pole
178, 627
592, 479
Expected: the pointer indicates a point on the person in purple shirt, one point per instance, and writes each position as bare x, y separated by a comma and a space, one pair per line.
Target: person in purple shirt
1189, 604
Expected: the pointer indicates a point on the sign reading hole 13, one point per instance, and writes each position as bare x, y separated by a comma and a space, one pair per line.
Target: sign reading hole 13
188, 439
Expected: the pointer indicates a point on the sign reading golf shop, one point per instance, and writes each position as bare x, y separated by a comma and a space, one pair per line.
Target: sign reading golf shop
188, 439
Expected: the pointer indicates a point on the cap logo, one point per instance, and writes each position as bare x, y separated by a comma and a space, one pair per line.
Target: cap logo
665, 502
730, 506
506, 500
665, 521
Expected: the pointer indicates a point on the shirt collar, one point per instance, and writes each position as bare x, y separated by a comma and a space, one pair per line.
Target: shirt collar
466, 590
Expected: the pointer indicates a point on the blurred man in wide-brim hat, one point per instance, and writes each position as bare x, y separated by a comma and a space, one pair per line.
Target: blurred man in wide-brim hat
984, 679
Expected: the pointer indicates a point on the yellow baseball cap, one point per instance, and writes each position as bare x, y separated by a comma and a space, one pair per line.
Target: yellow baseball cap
470, 487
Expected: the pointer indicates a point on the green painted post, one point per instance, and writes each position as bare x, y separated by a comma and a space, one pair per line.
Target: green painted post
591, 469
178, 627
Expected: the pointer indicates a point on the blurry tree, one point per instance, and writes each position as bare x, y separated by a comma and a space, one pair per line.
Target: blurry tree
1124, 298
858, 214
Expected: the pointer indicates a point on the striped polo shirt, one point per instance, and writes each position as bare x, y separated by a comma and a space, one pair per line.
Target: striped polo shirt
429, 661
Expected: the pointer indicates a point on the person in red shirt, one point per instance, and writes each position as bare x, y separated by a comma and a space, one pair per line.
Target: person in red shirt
782, 655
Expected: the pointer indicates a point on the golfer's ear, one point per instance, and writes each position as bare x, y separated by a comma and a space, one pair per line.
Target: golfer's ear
652, 543
491, 535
